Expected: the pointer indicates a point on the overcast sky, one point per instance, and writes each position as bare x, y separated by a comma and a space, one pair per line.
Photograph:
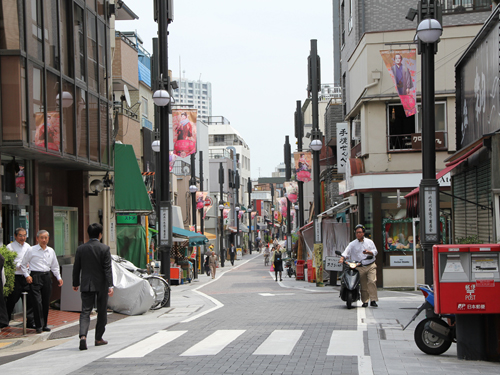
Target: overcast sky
255, 55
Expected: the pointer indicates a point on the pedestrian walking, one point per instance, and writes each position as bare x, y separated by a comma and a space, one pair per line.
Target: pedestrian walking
277, 261
207, 266
358, 251
232, 253
212, 262
4, 319
20, 246
42, 260
92, 273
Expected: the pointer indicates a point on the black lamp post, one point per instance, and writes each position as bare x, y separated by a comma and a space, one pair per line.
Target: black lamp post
202, 222
272, 211
237, 208
221, 208
249, 188
193, 189
288, 177
428, 32
299, 134
161, 98
316, 145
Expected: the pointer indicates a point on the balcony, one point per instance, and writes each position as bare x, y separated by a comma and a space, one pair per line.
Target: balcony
463, 6
413, 142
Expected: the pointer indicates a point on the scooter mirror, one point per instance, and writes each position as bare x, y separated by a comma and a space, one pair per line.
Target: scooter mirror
338, 252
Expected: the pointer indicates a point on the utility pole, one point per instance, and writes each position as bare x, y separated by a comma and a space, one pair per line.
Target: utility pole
299, 134
288, 177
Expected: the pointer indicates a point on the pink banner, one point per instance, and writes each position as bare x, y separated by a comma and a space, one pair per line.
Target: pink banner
53, 130
303, 166
200, 199
205, 210
171, 160
402, 66
283, 205
240, 214
225, 213
292, 190
184, 131
253, 215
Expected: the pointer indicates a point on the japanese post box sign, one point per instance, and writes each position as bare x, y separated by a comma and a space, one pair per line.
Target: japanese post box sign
466, 279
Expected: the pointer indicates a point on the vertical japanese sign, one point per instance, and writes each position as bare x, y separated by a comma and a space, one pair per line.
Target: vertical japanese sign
402, 66
342, 146
430, 215
184, 131
302, 163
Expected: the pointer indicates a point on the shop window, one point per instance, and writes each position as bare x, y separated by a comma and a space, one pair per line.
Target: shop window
94, 114
404, 133
51, 34
68, 124
11, 30
36, 107
79, 38
81, 123
103, 79
66, 35
34, 28
92, 51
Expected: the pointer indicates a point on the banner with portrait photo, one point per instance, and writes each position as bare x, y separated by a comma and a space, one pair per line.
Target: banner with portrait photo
184, 131
171, 160
225, 215
402, 66
200, 199
292, 190
303, 165
53, 130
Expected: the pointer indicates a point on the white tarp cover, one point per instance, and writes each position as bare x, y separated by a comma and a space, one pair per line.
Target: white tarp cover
132, 295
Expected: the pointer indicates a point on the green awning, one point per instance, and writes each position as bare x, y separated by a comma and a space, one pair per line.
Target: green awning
195, 239
130, 192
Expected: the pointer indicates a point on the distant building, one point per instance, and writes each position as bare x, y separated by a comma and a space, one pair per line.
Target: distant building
194, 94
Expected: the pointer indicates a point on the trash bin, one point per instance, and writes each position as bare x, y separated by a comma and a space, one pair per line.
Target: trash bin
300, 269
311, 274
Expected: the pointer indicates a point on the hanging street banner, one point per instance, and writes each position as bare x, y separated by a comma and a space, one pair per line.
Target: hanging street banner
303, 165
283, 205
225, 215
171, 160
184, 131
200, 199
342, 146
402, 66
292, 190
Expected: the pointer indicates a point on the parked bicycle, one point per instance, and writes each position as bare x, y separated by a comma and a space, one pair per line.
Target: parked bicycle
159, 285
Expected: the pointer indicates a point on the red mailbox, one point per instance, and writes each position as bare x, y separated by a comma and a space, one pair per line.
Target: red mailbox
466, 279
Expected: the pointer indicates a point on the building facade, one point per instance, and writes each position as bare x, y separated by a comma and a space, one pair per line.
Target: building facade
194, 94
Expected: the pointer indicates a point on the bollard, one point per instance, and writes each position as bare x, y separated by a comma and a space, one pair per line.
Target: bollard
24, 312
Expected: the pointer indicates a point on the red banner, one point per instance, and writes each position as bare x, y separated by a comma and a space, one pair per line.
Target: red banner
184, 131
303, 166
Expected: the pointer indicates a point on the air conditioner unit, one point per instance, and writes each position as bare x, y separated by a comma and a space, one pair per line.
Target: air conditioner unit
353, 200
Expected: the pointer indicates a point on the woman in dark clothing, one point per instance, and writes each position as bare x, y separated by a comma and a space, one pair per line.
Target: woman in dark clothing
277, 260
206, 265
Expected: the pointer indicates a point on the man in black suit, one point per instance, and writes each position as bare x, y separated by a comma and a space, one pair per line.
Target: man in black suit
232, 253
93, 260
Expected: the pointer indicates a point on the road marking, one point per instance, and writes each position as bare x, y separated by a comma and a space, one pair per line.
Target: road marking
4, 344
347, 343
214, 343
275, 294
146, 346
279, 342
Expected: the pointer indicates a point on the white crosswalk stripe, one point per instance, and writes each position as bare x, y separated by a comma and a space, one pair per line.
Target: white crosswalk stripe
214, 343
279, 342
346, 343
148, 345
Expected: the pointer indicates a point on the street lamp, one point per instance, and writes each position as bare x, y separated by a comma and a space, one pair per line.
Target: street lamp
164, 17
428, 32
237, 209
249, 189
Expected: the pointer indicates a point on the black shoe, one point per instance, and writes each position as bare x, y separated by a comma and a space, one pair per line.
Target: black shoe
83, 344
364, 304
276, 280
39, 330
373, 304
46, 329
281, 279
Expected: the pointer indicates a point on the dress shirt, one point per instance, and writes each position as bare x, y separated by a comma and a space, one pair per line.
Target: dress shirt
354, 251
40, 260
20, 251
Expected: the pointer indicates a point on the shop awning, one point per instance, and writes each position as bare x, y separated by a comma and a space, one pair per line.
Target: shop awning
210, 236
195, 239
130, 192
412, 206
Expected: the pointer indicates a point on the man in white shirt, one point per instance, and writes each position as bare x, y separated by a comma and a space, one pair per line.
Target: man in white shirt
358, 251
20, 246
41, 259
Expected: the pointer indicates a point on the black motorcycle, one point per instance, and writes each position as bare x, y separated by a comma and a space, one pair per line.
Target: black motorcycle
350, 282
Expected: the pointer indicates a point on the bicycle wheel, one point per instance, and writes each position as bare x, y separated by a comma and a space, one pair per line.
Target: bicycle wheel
161, 290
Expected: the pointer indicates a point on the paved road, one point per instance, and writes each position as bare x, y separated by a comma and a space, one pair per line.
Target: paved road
246, 323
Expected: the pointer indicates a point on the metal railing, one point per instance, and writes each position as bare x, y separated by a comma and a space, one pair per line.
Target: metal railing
462, 6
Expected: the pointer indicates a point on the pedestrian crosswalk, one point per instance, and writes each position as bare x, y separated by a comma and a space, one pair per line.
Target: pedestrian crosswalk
277, 342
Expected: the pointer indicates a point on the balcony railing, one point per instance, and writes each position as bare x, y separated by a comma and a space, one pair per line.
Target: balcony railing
462, 6
413, 142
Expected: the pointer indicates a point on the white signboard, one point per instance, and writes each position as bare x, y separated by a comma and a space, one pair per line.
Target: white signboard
332, 264
430, 213
401, 261
239, 253
317, 231
342, 146
163, 225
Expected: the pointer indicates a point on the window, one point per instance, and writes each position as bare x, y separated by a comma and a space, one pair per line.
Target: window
342, 20
351, 12
34, 26
404, 133
79, 43
218, 138
144, 107
92, 50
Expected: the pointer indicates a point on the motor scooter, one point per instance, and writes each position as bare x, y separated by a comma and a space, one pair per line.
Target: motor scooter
350, 282
433, 335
